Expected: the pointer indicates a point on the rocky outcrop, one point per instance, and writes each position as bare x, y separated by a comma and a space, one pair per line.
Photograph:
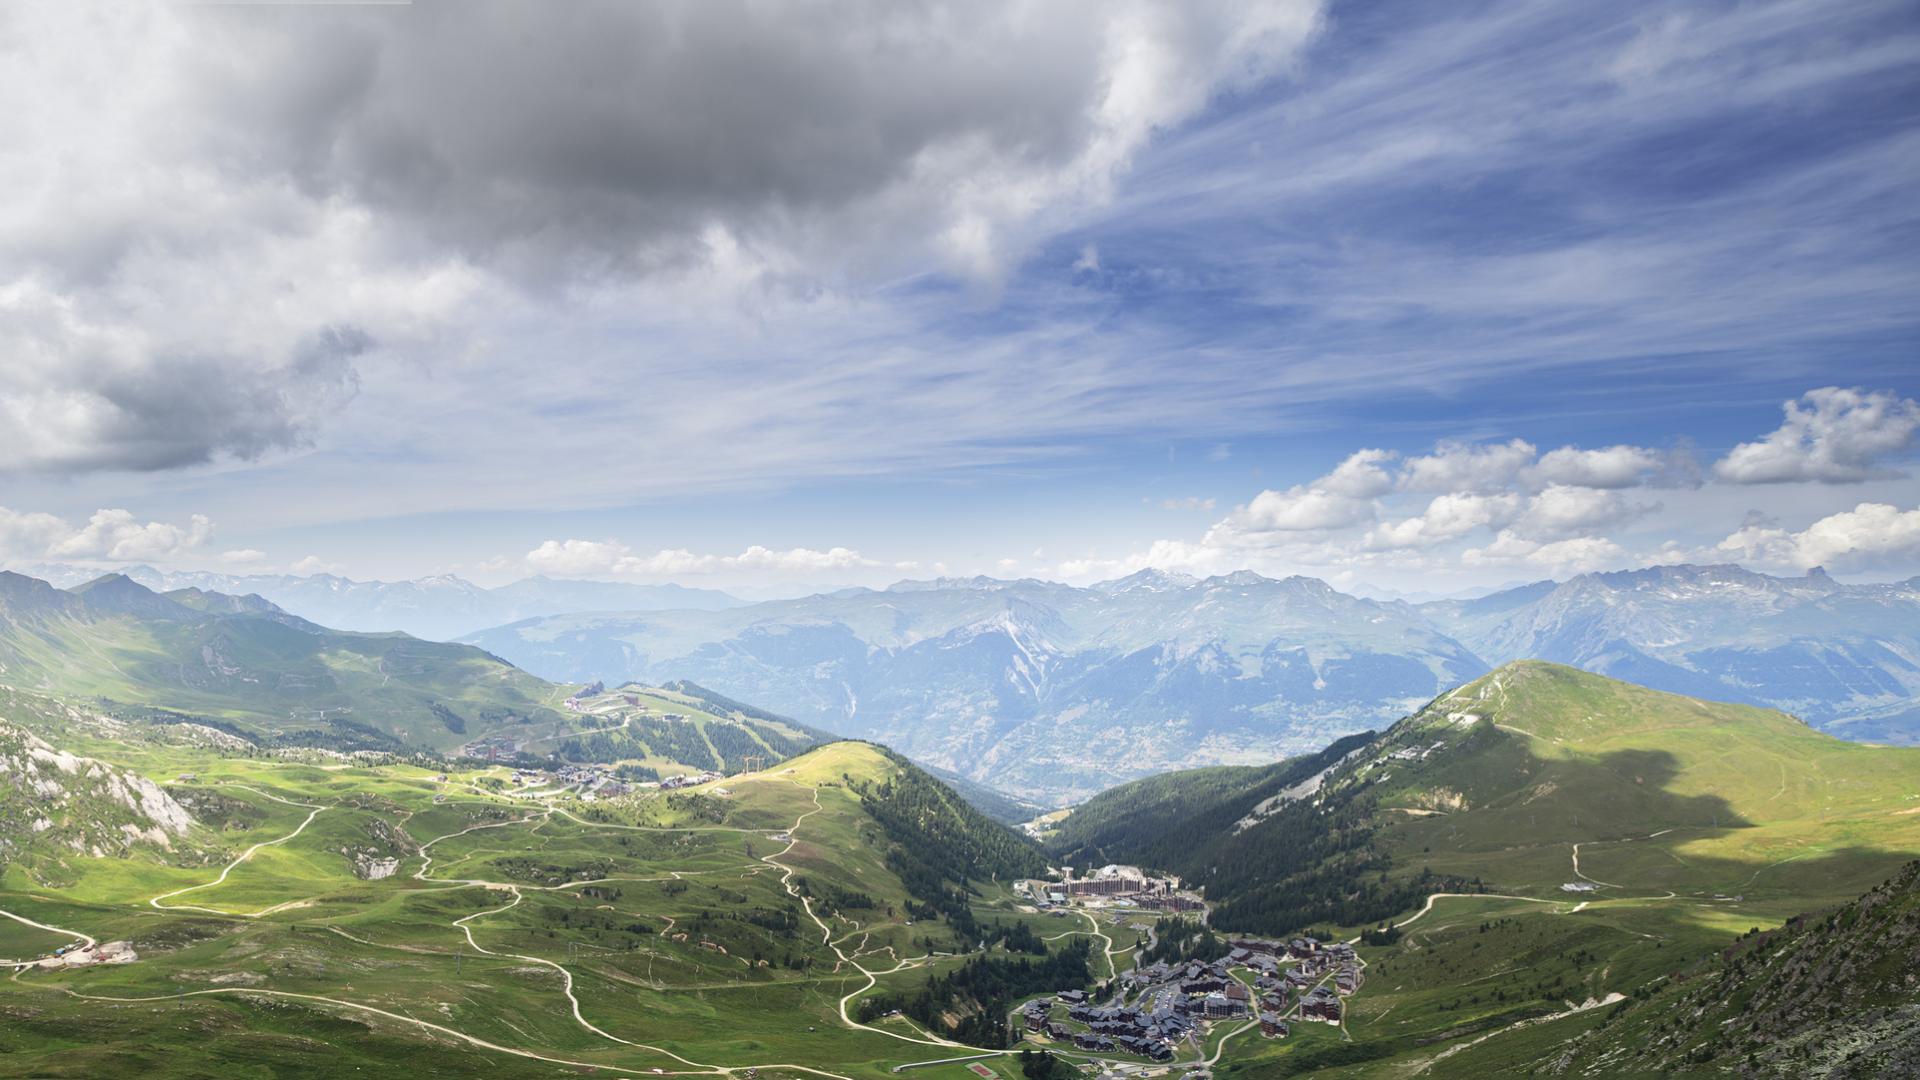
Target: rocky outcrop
54, 801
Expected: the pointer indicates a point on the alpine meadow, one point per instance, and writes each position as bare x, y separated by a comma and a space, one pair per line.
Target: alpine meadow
1221, 540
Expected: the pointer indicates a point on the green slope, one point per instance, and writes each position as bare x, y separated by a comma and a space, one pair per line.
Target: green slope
1833, 993
739, 929
1492, 786
244, 661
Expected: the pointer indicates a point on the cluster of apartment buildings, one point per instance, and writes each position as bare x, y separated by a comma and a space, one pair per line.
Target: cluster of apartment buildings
1112, 885
1320, 973
1146, 1032
675, 783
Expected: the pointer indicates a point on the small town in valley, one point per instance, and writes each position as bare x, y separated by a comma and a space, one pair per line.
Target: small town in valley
1166, 1009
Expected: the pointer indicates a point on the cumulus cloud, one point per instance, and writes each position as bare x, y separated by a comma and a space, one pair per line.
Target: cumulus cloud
107, 536
259, 196
1570, 556
243, 556
1833, 435
1363, 475
1867, 536
1301, 509
117, 536
1445, 518
1468, 467
1607, 467
1563, 511
582, 558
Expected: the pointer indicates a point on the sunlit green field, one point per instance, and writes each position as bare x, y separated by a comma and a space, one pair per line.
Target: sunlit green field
672, 919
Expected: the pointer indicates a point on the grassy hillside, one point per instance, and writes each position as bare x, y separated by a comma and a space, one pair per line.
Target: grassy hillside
246, 662
1680, 826
1833, 993
1503, 783
1183, 820
438, 921
653, 732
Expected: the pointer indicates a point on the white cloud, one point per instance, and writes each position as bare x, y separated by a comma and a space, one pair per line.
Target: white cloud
116, 536
1361, 476
1869, 535
1301, 509
1608, 467
29, 535
1445, 518
1191, 502
1197, 559
242, 556
582, 558
1468, 467
1833, 435
1564, 511
1571, 556
1089, 260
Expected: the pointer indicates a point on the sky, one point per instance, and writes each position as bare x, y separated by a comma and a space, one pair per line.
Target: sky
1416, 298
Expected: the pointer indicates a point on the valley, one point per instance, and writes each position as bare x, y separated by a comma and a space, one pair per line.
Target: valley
1052, 692
658, 880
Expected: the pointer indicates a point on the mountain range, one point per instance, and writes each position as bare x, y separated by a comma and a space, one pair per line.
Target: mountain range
1053, 692
243, 661
1843, 657
437, 608
1037, 688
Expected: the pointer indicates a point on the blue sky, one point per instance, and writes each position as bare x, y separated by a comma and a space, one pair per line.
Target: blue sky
1063, 294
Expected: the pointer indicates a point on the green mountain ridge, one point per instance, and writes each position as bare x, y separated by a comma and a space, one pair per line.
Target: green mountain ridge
742, 924
243, 660
1494, 783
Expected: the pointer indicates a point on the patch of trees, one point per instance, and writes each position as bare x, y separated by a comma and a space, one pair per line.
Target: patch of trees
1385, 934
940, 844
1181, 940
735, 744
978, 995
1041, 1065
449, 719
1016, 936
784, 745
1308, 861
699, 807
676, 740
342, 735
494, 715
522, 868
833, 896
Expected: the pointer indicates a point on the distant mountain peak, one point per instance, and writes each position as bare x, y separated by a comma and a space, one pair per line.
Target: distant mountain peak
120, 594
977, 583
1151, 578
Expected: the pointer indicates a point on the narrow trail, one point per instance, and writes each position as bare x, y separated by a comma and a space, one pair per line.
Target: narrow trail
441, 1029
1113, 972
1583, 877
1534, 1021
24, 921
314, 812
421, 874
517, 891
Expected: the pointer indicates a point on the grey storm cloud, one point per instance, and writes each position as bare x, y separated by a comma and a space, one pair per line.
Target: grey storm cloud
196, 188
174, 410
